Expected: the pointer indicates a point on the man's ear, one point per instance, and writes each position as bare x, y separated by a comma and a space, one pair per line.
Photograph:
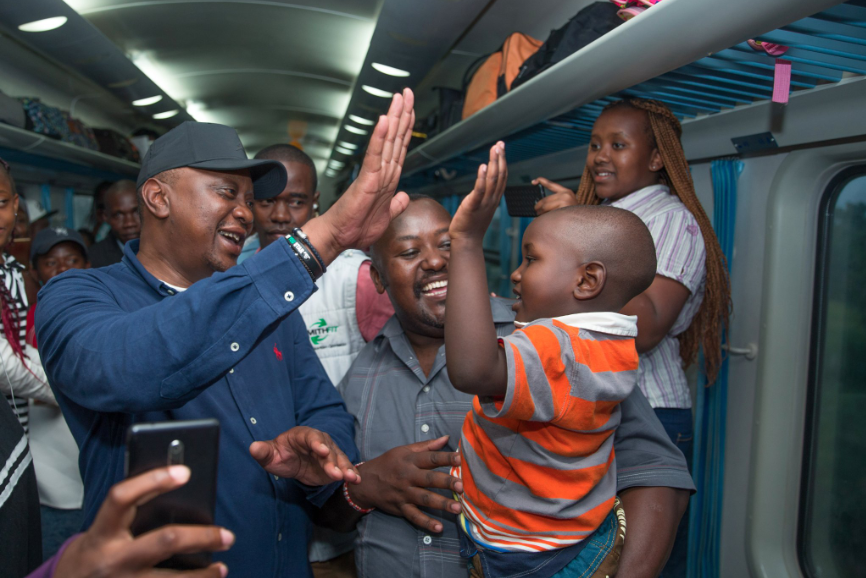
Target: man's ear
590, 280
378, 281
154, 199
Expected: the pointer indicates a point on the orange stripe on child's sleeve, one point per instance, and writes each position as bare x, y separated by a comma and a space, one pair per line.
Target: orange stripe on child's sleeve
603, 355
522, 405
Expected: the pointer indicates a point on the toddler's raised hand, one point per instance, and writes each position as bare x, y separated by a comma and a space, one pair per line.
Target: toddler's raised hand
477, 209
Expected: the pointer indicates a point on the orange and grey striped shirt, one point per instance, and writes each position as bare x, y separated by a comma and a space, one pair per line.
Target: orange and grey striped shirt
538, 465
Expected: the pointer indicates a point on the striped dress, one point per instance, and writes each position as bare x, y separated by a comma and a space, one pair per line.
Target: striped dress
10, 270
681, 256
538, 465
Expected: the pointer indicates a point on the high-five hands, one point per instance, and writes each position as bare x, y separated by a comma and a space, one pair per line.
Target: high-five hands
477, 209
364, 211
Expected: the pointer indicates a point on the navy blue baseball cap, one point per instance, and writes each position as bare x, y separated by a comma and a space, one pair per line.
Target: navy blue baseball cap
46, 239
214, 147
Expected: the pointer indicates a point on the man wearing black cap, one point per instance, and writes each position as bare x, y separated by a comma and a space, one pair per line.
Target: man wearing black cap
176, 332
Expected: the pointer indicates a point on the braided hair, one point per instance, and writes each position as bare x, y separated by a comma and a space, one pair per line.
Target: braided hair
712, 317
10, 315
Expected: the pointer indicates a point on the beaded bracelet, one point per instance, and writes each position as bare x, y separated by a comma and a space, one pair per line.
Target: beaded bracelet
354, 506
303, 237
310, 264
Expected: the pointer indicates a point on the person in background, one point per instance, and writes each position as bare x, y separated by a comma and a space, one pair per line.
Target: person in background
399, 391
97, 216
55, 453
20, 528
40, 218
20, 247
22, 376
121, 214
636, 162
340, 317
87, 237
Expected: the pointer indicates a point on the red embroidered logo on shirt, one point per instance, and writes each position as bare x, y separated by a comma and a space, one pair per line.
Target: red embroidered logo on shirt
278, 353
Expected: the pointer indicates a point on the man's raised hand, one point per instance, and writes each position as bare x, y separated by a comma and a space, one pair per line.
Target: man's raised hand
364, 211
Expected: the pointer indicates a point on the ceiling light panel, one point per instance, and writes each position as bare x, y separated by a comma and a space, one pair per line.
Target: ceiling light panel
43, 25
166, 114
360, 120
147, 101
390, 70
377, 91
347, 145
343, 151
355, 129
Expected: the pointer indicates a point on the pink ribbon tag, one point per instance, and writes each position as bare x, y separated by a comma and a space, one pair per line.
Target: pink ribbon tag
782, 81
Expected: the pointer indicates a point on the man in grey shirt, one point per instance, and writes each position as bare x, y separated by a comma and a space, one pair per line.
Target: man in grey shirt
399, 392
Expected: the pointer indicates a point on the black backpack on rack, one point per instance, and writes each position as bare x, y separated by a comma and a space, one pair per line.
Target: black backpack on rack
588, 25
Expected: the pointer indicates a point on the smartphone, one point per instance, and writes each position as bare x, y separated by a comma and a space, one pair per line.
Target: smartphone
521, 200
194, 444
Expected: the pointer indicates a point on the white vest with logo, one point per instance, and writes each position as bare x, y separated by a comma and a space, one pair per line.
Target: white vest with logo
330, 316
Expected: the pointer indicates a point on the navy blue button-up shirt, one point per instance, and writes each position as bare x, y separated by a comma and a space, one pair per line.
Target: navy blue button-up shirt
122, 347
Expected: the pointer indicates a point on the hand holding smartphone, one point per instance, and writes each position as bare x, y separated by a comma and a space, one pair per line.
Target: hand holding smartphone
521, 200
194, 444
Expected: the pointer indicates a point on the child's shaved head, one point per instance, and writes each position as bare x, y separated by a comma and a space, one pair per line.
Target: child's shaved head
614, 237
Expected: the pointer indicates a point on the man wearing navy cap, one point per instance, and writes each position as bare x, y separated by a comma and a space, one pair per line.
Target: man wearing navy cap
175, 331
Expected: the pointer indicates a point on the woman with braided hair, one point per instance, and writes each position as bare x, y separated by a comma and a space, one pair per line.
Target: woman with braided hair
21, 374
636, 162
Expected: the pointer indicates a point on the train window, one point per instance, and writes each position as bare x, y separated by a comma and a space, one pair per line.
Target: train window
832, 537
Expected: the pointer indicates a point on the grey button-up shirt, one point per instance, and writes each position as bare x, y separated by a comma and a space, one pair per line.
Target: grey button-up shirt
395, 404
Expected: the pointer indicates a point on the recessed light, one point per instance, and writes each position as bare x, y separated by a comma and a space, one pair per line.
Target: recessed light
377, 91
123, 83
147, 101
347, 145
335, 163
43, 25
165, 115
341, 150
331, 173
354, 129
390, 70
361, 120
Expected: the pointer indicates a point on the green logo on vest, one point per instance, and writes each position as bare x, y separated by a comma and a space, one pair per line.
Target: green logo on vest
320, 330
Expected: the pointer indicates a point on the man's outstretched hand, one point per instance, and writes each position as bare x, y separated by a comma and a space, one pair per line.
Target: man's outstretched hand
364, 211
307, 455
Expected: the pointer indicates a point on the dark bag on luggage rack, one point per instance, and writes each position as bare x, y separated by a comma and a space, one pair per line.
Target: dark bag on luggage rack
44, 119
80, 134
11, 111
115, 144
587, 26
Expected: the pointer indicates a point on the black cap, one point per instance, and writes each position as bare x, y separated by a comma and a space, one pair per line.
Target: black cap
46, 239
214, 147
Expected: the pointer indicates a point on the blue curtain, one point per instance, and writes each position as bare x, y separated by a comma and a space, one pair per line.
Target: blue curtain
70, 209
705, 514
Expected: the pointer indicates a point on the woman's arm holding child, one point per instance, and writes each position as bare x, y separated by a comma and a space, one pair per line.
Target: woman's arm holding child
476, 363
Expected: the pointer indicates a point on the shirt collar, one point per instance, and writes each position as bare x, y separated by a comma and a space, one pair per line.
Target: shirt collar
130, 257
633, 200
601, 321
10, 262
